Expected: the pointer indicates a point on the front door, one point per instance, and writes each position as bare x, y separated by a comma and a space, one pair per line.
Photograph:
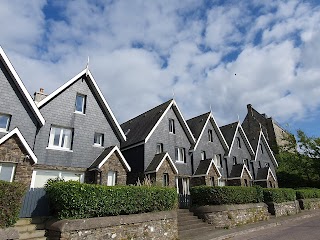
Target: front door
183, 191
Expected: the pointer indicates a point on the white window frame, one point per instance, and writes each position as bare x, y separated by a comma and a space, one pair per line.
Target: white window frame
218, 159
221, 183
165, 179
12, 171
111, 178
83, 105
203, 155
210, 135
180, 154
159, 148
171, 126
8, 122
61, 134
100, 137
234, 160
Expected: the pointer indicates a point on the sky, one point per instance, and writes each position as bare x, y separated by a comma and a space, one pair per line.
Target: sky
218, 55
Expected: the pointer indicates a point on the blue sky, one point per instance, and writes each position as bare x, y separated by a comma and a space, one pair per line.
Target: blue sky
223, 54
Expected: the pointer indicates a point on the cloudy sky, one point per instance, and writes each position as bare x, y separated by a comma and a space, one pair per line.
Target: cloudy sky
222, 54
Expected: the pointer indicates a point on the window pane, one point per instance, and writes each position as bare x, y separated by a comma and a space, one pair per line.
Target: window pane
4, 122
98, 139
67, 176
6, 172
80, 102
56, 134
66, 138
111, 178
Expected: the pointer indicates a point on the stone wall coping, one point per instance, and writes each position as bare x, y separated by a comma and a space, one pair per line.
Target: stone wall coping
221, 208
277, 204
68, 225
309, 199
9, 233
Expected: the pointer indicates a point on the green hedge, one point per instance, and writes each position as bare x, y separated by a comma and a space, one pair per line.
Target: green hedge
11, 195
206, 195
77, 200
279, 195
308, 193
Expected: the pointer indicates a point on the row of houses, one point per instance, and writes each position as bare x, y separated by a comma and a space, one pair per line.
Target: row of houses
73, 134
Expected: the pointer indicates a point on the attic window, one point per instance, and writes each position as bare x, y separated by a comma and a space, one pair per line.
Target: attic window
80, 103
4, 122
261, 148
238, 142
171, 126
203, 155
210, 137
159, 148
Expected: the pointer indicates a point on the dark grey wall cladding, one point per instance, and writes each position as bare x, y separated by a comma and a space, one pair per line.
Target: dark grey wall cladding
60, 111
264, 158
211, 148
169, 140
13, 103
240, 153
135, 159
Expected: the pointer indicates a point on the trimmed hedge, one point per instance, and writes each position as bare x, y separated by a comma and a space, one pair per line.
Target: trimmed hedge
279, 195
78, 200
11, 195
207, 195
308, 193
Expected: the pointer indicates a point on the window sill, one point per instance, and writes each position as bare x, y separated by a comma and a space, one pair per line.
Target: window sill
172, 133
60, 149
180, 162
3, 130
80, 113
97, 146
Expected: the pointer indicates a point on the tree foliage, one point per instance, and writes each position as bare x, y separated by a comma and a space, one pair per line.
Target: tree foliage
299, 162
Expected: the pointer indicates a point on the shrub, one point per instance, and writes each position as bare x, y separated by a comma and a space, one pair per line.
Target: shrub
279, 195
77, 200
206, 195
308, 193
11, 195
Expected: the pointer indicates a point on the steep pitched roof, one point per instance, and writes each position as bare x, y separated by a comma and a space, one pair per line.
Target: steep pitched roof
22, 89
104, 156
237, 171
230, 131
204, 168
139, 129
157, 162
87, 74
22, 140
261, 139
263, 174
199, 123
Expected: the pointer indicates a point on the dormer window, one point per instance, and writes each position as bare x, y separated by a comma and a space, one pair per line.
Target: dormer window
210, 137
171, 126
159, 148
80, 103
4, 122
203, 155
238, 142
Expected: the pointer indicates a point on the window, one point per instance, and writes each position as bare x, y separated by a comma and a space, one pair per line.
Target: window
252, 168
219, 160
221, 182
180, 154
259, 164
7, 171
246, 162
210, 137
212, 181
203, 155
245, 182
238, 142
165, 179
98, 139
40, 177
4, 122
60, 138
261, 148
80, 103
234, 159
171, 126
159, 148
112, 178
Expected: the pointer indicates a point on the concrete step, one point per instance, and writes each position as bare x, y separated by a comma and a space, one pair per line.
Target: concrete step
189, 222
193, 226
195, 233
32, 235
29, 227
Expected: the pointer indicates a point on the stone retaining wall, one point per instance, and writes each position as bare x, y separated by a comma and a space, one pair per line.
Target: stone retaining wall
159, 225
283, 209
9, 233
228, 216
308, 204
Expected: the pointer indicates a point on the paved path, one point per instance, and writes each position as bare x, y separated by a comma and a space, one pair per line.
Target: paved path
302, 229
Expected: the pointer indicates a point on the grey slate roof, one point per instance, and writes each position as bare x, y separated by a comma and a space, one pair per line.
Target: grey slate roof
155, 162
183, 169
236, 171
196, 124
262, 173
99, 159
138, 128
203, 167
228, 132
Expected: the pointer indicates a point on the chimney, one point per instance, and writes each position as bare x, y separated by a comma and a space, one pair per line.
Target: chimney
249, 107
38, 96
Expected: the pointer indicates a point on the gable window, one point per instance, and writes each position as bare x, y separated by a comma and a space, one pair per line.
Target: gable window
60, 137
112, 178
238, 142
234, 160
159, 148
246, 183
203, 155
219, 160
180, 154
261, 148
80, 103
210, 137
98, 139
4, 122
212, 181
165, 179
7, 171
171, 126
